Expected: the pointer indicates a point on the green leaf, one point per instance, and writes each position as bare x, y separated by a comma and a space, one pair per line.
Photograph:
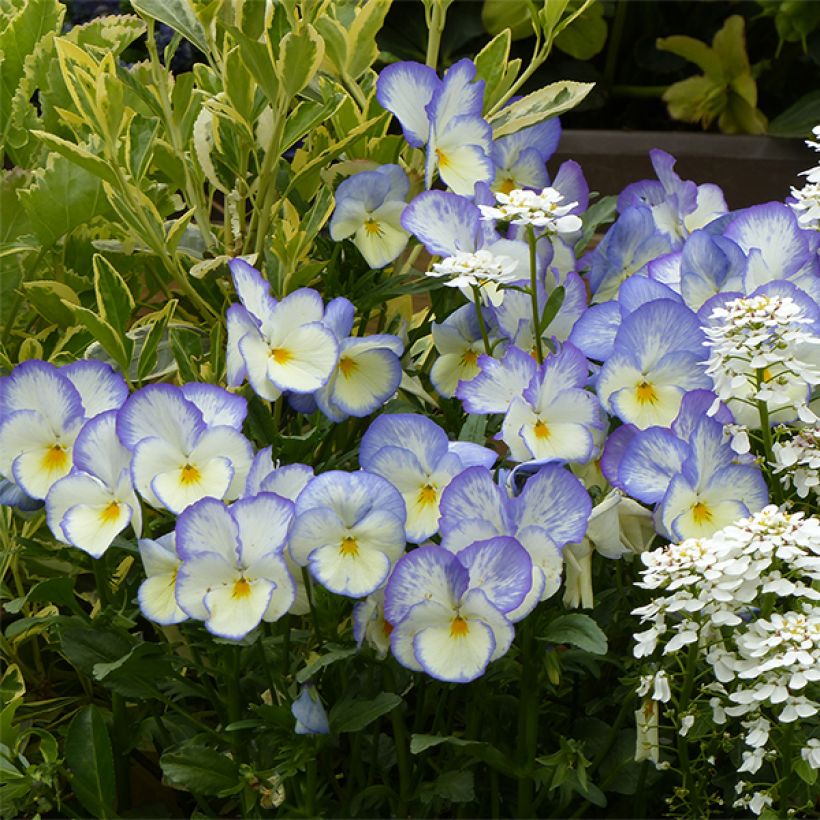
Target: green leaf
335, 36
362, 49
30, 21
306, 116
115, 345
62, 197
201, 770
78, 154
695, 51
49, 299
512, 15
12, 689
474, 429
258, 61
89, 756
806, 772
300, 55
353, 715
490, 65
420, 743
585, 36
798, 119
457, 787
554, 302
322, 661
578, 630
177, 14
547, 102
114, 300
599, 213
148, 354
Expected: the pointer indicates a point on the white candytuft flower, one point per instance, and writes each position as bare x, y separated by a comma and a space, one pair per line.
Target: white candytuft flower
482, 269
807, 206
541, 210
798, 461
760, 351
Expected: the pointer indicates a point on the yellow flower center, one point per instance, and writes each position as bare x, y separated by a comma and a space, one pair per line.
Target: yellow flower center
281, 355
507, 185
190, 474
110, 513
55, 458
348, 366
428, 495
645, 393
349, 547
387, 628
459, 628
372, 228
241, 588
469, 358
542, 431
701, 514
443, 161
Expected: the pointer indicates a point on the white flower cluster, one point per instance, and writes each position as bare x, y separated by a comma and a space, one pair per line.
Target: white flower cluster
761, 351
798, 461
748, 598
807, 204
523, 207
482, 269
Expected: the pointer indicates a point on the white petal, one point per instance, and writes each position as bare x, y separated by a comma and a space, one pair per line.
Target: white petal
236, 608
157, 600
305, 359
186, 484
457, 659
93, 528
352, 575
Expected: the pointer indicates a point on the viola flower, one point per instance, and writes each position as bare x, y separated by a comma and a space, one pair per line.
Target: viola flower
521, 158
369, 624
498, 383
42, 410
349, 531
277, 346
311, 717
414, 454
368, 372
547, 209
459, 343
177, 458
446, 116
267, 476
233, 572
369, 206
90, 506
656, 359
157, 593
449, 611
554, 417
551, 511
678, 206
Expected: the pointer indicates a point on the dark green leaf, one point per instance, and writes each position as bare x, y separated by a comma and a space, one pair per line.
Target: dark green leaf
322, 661
201, 770
117, 346
457, 787
554, 302
585, 36
798, 119
148, 354
300, 55
578, 630
352, 715
49, 299
474, 429
177, 14
491, 63
89, 755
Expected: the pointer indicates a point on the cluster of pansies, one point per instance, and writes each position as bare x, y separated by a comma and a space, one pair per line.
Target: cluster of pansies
667, 374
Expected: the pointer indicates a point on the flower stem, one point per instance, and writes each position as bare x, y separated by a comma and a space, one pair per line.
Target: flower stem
682, 743
536, 317
481, 323
527, 720
435, 25
766, 436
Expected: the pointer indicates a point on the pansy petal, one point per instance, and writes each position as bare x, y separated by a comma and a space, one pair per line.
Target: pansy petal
263, 522
93, 528
159, 411
100, 387
405, 89
218, 406
99, 451
498, 383
444, 222
225, 443
501, 569
38, 385
650, 461
157, 600
239, 324
418, 617
365, 380
255, 354
232, 615
473, 494
353, 575
457, 95
305, 359
416, 433
207, 526
197, 576
252, 289
456, 657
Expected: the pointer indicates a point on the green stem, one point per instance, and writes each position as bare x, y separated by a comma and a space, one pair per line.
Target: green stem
313, 614
690, 795
101, 580
121, 758
536, 315
766, 436
481, 323
435, 25
402, 745
615, 36
639, 91
267, 182
527, 720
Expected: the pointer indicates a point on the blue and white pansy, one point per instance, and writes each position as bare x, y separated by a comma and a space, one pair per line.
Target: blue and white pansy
368, 372
96, 501
449, 612
277, 346
157, 593
444, 115
42, 410
369, 206
349, 531
414, 454
551, 511
178, 458
233, 573
521, 158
